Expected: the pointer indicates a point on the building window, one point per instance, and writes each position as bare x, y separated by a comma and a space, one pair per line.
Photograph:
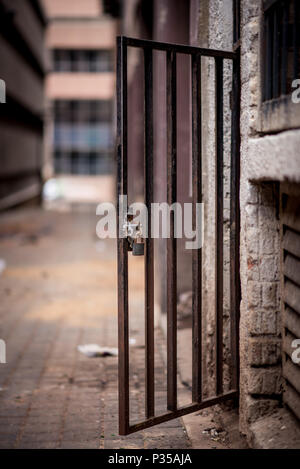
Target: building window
86, 61
281, 47
83, 139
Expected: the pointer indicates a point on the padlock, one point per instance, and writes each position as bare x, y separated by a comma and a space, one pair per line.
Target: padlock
137, 249
134, 236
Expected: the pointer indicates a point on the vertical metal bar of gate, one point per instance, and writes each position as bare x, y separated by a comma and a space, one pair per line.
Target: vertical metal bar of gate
149, 251
197, 253
171, 241
123, 333
235, 293
268, 73
295, 6
284, 59
219, 223
197, 400
275, 71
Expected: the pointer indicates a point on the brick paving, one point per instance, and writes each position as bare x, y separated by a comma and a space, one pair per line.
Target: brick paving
59, 291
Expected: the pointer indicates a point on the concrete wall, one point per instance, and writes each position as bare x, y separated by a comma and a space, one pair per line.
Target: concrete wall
83, 85
214, 30
73, 8
97, 34
22, 81
21, 118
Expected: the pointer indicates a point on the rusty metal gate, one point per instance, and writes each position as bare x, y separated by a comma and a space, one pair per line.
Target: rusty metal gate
172, 410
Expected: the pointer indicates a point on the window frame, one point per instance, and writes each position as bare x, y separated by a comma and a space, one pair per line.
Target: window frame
83, 156
82, 60
277, 114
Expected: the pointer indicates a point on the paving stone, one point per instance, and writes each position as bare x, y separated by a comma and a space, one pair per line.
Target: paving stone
53, 396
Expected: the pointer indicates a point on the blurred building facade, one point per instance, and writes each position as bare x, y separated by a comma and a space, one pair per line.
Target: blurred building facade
22, 67
264, 33
80, 89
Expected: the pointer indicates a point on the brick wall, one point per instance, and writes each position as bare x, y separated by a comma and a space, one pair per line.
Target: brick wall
264, 159
261, 384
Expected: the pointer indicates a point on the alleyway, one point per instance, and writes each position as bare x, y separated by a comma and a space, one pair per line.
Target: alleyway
58, 291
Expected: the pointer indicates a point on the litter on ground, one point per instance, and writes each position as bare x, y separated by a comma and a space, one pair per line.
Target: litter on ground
94, 350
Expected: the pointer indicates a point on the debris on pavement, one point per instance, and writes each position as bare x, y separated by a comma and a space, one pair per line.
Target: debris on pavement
94, 350
214, 433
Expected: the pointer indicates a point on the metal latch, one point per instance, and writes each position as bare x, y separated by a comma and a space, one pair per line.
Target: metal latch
134, 236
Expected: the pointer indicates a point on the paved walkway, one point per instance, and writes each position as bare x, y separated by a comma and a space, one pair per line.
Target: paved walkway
59, 291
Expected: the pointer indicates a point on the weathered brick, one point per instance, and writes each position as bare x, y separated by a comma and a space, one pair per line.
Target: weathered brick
269, 295
252, 193
267, 217
264, 352
257, 408
263, 322
269, 268
253, 268
266, 382
266, 241
254, 294
251, 216
252, 242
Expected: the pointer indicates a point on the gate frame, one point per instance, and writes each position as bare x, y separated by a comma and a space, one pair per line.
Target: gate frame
122, 148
